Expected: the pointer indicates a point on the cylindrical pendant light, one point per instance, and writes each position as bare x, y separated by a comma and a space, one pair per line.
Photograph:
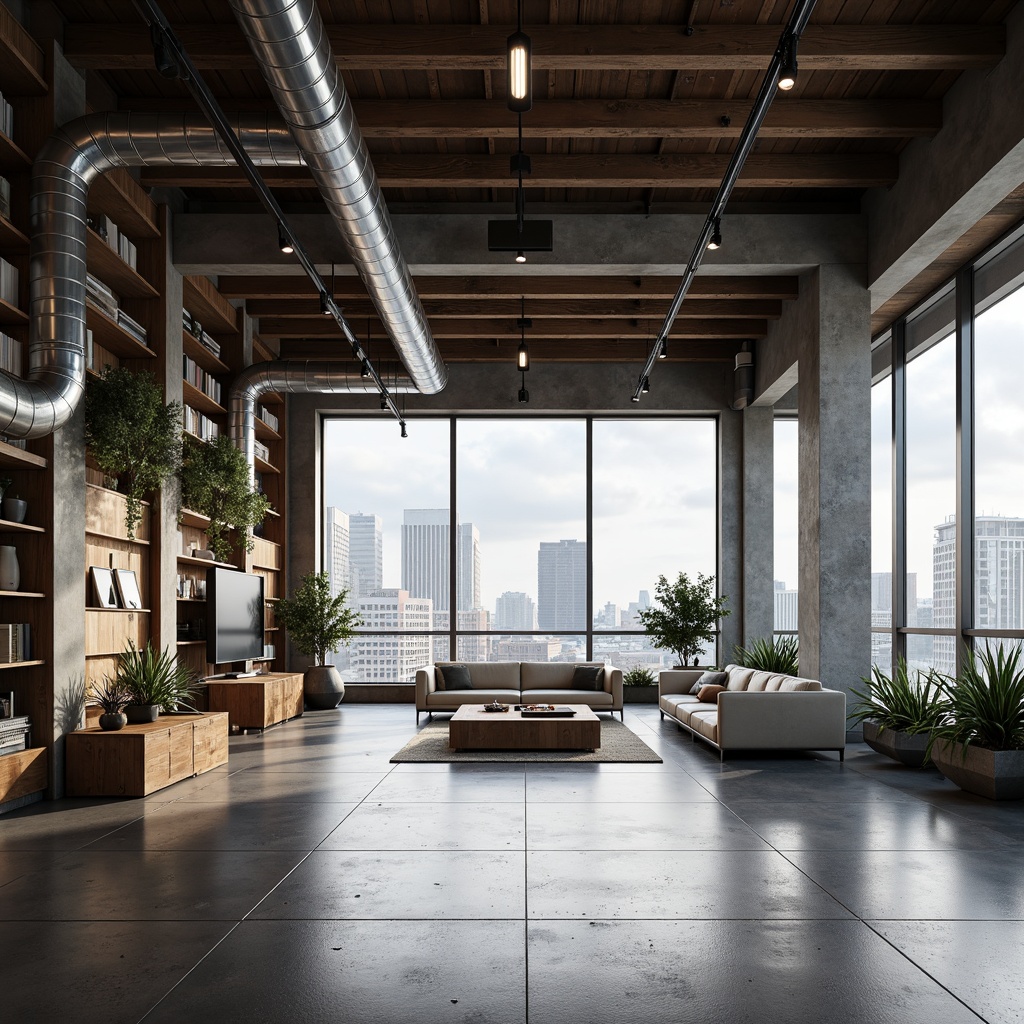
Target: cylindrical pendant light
519, 67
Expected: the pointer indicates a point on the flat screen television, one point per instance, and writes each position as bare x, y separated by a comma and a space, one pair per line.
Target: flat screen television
234, 616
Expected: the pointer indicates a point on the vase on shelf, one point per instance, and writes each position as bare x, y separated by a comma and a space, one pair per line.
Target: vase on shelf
14, 510
10, 571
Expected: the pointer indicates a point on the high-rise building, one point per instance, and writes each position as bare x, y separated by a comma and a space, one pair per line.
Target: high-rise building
471, 648
426, 547
384, 657
786, 605
366, 552
562, 585
337, 549
515, 610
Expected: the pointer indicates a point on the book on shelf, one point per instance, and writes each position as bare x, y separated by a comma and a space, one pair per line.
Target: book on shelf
262, 451
199, 378
209, 343
194, 422
101, 295
15, 642
5, 198
10, 354
133, 327
268, 417
6, 117
90, 354
8, 282
128, 251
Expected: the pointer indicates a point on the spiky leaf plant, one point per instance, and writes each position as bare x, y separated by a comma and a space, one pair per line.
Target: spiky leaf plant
639, 676
156, 677
902, 702
110, 696
770, 654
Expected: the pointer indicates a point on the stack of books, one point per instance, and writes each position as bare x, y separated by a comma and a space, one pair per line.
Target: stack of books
199, 378
6, 117
195, 328
268, 417
15, 642
133, 327
101, 296
262, 451
10, 354
8, 282
195, 422
5, 198
14, 734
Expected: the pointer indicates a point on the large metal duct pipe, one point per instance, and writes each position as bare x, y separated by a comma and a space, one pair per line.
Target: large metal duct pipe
293, 376
67, 164
290, 43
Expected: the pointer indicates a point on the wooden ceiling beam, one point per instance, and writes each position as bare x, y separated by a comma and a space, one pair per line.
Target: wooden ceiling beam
324, 327
595, 170
127, 47
555, 309
619, 119
551, 286
541, 351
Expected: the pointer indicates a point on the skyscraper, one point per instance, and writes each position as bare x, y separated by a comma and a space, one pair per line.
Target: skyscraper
384, 657
426, 548
366, 553
562, 585
515, 610
337, 547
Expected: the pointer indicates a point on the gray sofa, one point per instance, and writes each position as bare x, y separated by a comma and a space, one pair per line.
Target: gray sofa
757, 711
515, 682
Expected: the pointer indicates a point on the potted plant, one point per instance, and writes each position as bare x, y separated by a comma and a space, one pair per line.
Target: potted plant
155, 681
215, 482
132, 434
769, 654
639, 686
318, 624
979, 743
110, 696
686, 620
898, 713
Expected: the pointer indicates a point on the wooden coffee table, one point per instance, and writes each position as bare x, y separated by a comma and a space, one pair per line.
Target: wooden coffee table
471, 728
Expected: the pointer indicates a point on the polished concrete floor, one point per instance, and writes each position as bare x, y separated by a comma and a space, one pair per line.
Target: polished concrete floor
312, 881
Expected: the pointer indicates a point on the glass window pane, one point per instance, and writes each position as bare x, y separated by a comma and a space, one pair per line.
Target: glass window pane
931, 491
386, 539
522, 487
627, 651
998, 486
881, 504
787, 523
523, 648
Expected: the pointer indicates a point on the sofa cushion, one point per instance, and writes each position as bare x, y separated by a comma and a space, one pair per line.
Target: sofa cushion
774, 682
487, 675
685, 711
706, 723
552, 675
455, 677
738, 677
588, 677
792, 684
710, 678
671, 701
759, 680
592, 698
709, 694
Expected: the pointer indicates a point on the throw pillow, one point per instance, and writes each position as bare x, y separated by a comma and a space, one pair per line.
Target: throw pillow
710, 679
455, 677
588, 677
708, 694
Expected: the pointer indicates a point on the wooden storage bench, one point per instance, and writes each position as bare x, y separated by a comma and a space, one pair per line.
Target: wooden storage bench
140, 759
257, 701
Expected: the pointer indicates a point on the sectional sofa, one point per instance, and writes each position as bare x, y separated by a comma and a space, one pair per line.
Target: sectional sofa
515, 682
756, 711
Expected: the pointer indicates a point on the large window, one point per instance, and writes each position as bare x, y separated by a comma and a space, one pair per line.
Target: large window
960, 381
786, 520
514, 570
881, 520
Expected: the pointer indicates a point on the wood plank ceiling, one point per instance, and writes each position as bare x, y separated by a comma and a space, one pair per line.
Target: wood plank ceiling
637, 106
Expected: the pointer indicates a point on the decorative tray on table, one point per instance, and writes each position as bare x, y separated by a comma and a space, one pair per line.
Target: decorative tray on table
495, 706
545, 711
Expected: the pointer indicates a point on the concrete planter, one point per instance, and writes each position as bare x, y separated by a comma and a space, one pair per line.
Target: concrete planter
323, 688
907, 748
996, 774
640, 694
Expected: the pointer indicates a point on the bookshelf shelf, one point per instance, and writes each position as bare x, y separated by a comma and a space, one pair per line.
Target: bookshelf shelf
6, 526
196, 350
191, 395
109, 334
18, 458
105, 264
21, 664
12, 316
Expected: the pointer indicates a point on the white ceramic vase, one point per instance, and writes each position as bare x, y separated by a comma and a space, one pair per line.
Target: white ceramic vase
10, 571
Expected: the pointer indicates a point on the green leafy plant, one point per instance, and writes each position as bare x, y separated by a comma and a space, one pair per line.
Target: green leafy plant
110, 696
639, 676
156, 677
5, 482
686, 620
902, 702
769, 654
316, 622
132, 434
215, 482
986, 702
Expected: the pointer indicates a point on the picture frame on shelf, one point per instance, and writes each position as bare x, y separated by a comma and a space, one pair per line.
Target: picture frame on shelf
103, 585
128, 588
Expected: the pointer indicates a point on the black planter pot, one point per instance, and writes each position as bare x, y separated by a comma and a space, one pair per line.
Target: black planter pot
323, 687
139, 713
111, 722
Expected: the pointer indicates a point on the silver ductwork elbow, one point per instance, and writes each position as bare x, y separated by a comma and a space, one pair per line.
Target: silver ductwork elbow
290, 42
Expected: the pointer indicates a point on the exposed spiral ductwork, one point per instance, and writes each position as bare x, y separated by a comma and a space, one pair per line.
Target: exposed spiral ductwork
290, 42
293, 376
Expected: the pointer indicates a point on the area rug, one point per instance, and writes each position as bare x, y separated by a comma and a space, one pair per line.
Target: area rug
618, 744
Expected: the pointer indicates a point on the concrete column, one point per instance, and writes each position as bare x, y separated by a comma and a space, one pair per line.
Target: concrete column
757, 614
835, 477
730, 530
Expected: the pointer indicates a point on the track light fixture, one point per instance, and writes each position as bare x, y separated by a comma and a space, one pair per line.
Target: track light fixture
163, 54
787, 74
519, 67
404, 431
663, 350
523, 354
283, 241
646, 386
520, 256
364, 370
325, 306
715, 241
